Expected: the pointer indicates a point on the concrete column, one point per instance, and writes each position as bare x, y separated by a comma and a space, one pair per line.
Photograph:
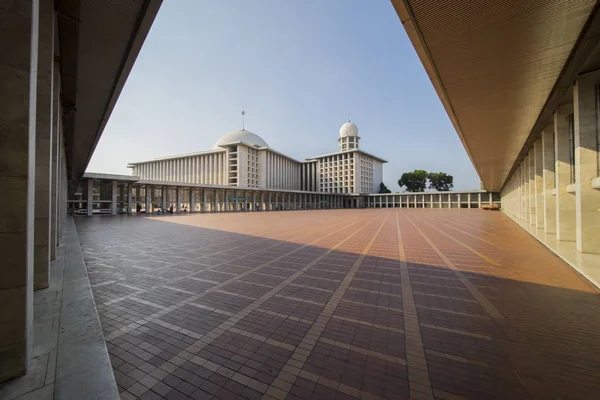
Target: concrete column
113, 198
130, 197
148, 199
90, 197
178, 197
548, 179
205, 200
55, 169
164, 191
565, 201
192, 200
532, 198
587, 199
216, 200
43, 146
525, 189
226, 201
18, 85
538, 154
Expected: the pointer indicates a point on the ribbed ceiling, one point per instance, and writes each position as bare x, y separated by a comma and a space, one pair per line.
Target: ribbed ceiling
495, 64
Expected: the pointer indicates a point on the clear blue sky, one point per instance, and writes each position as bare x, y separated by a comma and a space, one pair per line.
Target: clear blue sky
298, 68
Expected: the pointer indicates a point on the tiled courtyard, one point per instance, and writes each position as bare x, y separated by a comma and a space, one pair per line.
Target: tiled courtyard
340, 304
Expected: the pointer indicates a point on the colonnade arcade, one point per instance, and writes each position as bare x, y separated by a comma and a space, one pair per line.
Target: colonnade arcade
454, 199
97, 196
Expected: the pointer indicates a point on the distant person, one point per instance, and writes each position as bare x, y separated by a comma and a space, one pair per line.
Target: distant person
171, 210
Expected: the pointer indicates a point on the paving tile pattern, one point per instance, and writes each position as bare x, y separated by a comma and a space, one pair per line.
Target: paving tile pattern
341, 304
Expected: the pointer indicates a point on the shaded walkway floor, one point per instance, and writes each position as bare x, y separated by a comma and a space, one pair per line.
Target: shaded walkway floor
340, 304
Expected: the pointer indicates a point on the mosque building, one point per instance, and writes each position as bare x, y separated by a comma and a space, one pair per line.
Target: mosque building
242, 159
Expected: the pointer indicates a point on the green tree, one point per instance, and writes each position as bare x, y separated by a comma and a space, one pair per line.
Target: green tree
383, 188
415, 181
440, 181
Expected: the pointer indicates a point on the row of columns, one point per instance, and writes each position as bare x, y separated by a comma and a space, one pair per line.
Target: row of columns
556, 187
432, 200
309, 176
282, 173
229, 200
206, 169
197, 200
33, 172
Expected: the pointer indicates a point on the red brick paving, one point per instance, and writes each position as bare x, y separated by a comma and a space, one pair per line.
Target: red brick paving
313, 304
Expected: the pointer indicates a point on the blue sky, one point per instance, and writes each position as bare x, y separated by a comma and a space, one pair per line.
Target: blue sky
298, 68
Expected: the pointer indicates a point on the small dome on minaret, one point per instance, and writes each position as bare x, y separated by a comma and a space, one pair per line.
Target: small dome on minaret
349, 129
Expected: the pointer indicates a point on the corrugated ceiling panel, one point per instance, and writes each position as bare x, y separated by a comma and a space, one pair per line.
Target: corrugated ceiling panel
498, 61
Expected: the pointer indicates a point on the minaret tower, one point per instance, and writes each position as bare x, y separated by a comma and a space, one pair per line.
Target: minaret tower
349, 138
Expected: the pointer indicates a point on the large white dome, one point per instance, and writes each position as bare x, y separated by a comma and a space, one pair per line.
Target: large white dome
242, 135
349, 129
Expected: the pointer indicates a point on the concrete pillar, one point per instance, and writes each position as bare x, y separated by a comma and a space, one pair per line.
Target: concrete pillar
18, 85
192, 200
538, 154
43, 146
565, 201
164, 192
525, 188
205, 200
113, 198
587, 199
531, 186
469, 200
226, 201
548, 180
178, 197
130, 197
148, 199
55, 169
90, 197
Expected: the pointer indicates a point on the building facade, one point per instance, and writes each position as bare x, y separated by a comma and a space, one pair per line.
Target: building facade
244, 160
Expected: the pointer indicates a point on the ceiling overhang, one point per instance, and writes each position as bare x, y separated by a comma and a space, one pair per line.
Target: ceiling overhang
99, 41
498, 68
